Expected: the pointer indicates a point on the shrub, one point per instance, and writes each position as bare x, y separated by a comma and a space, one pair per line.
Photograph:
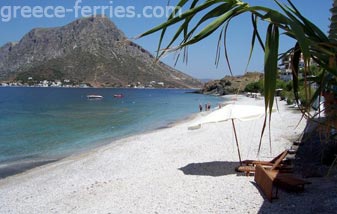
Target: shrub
255, 87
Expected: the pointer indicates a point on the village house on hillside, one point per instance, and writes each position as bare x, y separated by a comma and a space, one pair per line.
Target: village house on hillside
285, 71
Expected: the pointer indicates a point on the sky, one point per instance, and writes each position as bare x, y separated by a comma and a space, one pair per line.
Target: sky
134, 17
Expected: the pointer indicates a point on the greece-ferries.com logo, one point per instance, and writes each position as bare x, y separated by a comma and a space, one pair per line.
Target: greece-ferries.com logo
79, 9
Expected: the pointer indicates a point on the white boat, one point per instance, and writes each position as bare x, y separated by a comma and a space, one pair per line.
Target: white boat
94, 97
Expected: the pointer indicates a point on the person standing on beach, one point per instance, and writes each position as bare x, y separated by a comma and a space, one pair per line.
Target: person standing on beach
200, 107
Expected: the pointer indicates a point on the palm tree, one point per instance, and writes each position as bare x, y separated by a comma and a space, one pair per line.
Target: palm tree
333, 25
330, 95
311, 42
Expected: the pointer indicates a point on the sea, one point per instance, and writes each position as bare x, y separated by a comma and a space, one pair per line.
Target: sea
43, 125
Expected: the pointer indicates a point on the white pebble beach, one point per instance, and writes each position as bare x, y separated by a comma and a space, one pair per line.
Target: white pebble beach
170, 170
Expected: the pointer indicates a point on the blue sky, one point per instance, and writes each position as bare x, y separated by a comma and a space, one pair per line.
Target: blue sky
201, 56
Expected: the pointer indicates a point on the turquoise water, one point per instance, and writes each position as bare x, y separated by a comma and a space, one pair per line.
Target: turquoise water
51, 123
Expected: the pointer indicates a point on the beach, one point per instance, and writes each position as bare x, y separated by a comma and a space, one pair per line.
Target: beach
171, 170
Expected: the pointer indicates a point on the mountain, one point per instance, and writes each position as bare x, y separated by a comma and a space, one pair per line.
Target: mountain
89, 50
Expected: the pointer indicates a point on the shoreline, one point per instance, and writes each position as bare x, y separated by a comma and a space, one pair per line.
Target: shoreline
17, 164
22, 165
164, 170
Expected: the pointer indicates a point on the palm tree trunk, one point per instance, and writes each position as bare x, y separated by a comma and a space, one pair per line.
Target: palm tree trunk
333, 25
330, 95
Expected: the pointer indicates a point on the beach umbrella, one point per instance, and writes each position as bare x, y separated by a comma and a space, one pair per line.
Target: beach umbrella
231, 113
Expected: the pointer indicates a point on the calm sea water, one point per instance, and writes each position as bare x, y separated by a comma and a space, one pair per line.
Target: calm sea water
42, 124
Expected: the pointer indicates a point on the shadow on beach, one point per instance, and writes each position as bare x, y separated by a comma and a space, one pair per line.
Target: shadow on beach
214, 169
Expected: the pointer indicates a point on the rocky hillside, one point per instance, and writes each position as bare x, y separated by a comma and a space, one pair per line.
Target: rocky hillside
231, 84
89, 50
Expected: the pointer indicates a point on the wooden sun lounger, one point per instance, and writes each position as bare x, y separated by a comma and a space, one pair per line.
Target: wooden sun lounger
251, 169
273, 164
270, 180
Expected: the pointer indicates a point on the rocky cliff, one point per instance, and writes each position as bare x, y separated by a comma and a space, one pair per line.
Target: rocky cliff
90, 50
231, 84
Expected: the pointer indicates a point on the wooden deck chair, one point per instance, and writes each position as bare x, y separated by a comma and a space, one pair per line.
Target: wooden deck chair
270, 180
271, 162
248, 169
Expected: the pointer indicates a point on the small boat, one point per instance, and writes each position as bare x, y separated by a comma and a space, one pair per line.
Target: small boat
118, 95
94, 97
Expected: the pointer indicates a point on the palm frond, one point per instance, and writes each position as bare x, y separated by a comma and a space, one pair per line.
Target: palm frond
270, 69
310, 41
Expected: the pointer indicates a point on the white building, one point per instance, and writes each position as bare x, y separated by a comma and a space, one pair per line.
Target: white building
286, 75
285, 70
